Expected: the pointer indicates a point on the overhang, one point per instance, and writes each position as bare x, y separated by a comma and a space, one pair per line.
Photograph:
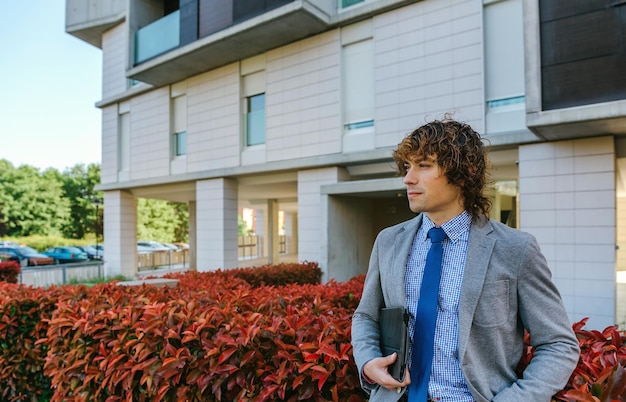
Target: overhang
89, 20
579, 122
278, 27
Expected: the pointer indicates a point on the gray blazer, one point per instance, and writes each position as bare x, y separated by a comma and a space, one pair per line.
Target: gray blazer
506, 287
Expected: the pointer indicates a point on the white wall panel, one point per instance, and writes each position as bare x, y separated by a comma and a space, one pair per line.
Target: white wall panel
213, 121
108, 166
114, 60
150, 134
301, 78
418, 51
581, 251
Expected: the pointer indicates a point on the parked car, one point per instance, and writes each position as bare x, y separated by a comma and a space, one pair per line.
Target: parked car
144, 249
152, 245
28, 256
9, 256
66, 254
171, 246
92, 252
7, 243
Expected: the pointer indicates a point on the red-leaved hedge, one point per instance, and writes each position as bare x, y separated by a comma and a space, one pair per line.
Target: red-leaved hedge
9, 271
599, 375
218, 336
23, 311
271, 275
209, 342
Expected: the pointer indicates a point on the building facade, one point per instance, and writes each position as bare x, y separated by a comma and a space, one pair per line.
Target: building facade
294, 106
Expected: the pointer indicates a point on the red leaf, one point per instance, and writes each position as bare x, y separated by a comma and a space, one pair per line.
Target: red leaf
320, 369
226, 355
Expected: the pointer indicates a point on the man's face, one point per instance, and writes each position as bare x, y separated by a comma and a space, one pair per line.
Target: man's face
429, 191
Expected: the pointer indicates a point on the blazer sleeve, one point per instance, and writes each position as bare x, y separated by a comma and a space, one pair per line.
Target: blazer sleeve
543, 314
365, 327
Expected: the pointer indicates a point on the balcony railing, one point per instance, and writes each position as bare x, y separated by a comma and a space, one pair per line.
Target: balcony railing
251, 246
161, 259
158, 37
61, 274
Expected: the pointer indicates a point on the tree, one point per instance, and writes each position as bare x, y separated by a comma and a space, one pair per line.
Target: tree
79, 182
64, 204
31, 202
242, 227
161, 220
181, 219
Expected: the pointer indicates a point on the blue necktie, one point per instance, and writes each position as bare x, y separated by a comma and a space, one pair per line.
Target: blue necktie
425, 319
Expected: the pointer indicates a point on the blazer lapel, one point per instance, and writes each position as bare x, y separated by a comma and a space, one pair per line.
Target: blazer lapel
479, 251
402, 248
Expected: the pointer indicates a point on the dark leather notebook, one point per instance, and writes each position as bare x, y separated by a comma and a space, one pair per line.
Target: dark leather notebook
394, 337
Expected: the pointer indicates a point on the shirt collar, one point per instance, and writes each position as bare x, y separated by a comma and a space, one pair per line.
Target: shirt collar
455, 228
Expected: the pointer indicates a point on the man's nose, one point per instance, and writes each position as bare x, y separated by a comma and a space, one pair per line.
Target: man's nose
409, 178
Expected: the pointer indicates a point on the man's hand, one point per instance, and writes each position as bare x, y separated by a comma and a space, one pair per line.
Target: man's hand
376, 371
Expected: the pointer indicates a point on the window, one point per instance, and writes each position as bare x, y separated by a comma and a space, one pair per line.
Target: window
348, 3
179, 123
359, 124
180, 143
255, 120
504, 67
504, 53
123, 137
358, 84
358, 92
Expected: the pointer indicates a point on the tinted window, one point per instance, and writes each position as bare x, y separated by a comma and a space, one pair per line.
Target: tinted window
28, 251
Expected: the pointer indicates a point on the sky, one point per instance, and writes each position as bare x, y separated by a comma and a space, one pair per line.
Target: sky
49, 84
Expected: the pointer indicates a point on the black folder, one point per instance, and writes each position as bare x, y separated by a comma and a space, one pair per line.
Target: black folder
394, 337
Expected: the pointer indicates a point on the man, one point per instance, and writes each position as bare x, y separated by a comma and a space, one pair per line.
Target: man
494, 283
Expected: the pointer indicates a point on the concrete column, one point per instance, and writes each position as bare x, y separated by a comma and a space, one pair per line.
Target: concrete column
193, 236
567, 200
291, 233
120, 234
216, 219
272, 231
313, 214
261, 232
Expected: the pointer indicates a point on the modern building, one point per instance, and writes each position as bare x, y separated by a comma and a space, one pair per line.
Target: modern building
295, 106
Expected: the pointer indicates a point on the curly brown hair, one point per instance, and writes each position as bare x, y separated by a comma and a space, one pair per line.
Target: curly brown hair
460, 153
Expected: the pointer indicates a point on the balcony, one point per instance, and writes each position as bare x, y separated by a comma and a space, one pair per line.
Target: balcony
157, 38
256, 27
277, 27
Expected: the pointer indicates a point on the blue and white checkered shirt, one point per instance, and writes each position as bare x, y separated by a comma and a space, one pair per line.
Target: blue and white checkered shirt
446, 379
